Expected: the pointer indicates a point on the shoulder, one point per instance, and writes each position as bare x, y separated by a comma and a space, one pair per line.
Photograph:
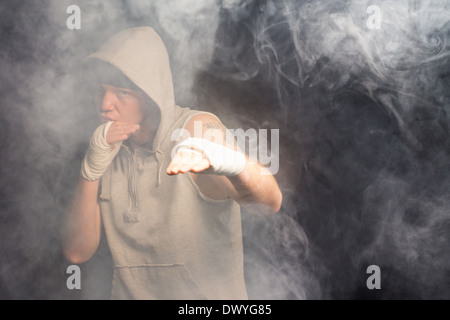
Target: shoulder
205, 125
203, 118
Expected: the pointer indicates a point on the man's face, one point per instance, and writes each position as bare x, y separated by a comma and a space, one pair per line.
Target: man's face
119, 104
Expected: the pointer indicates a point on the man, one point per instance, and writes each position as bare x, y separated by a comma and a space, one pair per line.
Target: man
172, 223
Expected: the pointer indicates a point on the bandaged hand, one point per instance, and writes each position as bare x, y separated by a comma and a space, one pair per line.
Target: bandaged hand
201, 155
103, 147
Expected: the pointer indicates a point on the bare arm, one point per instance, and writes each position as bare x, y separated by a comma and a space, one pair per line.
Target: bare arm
82, 223
256, 192
254, 187
81, 227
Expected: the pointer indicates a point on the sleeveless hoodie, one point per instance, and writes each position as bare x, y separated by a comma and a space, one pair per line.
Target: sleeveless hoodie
167, 239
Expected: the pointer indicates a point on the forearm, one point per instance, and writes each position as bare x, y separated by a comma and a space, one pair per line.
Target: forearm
257, 190
81, 225
247, 182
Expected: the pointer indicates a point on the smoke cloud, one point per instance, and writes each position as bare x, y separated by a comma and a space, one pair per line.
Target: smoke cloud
361, 99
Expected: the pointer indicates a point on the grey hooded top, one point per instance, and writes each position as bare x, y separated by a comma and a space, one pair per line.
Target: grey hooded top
167, 239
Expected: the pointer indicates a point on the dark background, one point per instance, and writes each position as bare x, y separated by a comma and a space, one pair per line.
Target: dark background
364, 136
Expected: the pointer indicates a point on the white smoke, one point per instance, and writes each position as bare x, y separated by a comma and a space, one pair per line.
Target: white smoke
349, 177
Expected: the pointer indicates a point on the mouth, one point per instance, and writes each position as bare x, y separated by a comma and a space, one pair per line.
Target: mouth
105, 119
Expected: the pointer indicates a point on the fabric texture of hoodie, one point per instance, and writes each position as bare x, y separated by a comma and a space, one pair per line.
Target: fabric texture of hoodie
167, 239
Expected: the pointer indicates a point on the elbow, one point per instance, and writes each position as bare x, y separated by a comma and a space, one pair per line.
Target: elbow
274, 199
75, 259
276, 203
76, 256
277, 208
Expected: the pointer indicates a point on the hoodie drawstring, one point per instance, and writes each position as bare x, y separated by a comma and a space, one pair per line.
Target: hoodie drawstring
159, 155
130, 215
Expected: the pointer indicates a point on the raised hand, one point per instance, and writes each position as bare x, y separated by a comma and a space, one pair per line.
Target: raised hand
104, 146
120, 131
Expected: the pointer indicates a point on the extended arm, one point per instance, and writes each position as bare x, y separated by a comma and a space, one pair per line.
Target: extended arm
253, 187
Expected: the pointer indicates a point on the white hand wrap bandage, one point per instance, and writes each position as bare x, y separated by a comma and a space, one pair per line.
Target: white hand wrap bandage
224, 161
99, 154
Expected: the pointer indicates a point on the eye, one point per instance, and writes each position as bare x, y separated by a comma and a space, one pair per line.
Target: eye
122, 93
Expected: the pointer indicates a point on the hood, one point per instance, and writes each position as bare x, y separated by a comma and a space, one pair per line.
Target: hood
140, 54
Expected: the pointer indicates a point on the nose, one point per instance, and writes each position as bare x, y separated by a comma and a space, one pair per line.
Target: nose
108, 101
